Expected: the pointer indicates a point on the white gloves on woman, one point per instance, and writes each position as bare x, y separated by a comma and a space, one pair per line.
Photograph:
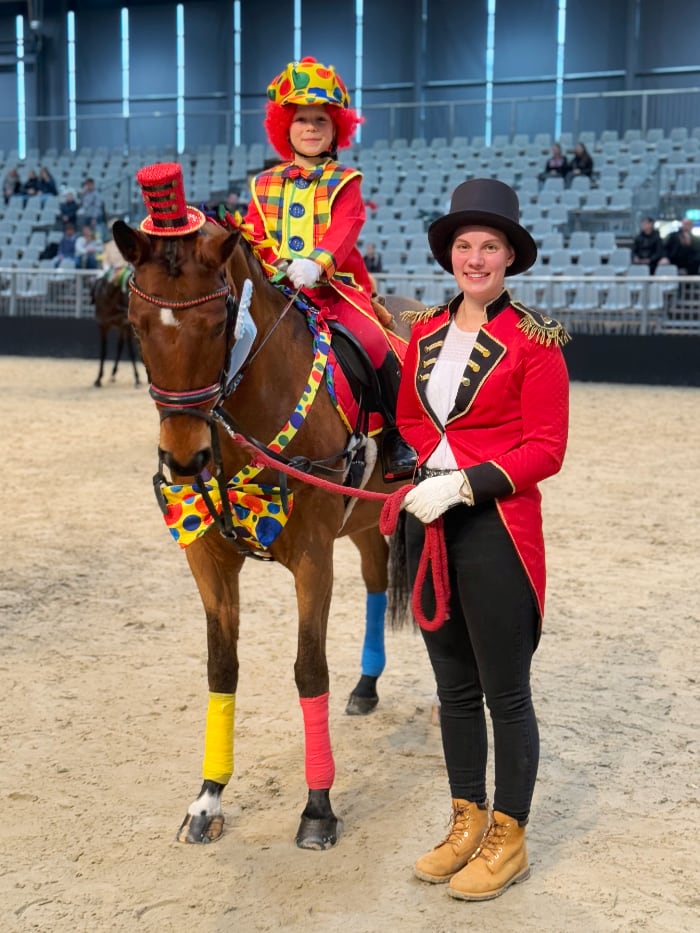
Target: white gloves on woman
429, 499
303, 273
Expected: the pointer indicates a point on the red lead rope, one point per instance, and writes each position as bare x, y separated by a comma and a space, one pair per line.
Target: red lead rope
433, 557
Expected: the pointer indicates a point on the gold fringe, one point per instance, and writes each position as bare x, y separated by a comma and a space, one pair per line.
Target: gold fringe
543, 329
416, 317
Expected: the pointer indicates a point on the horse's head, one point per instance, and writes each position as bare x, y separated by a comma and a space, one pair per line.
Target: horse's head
181, 309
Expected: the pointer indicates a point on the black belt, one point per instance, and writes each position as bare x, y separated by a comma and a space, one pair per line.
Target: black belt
425, 472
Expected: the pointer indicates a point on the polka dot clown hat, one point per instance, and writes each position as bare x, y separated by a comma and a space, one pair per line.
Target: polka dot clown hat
308, 82
163, 190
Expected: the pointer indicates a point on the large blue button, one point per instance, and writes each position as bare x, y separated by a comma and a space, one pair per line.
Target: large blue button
297, 209
296, 243
301, 182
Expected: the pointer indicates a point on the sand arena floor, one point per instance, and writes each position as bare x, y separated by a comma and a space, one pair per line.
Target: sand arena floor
103, 685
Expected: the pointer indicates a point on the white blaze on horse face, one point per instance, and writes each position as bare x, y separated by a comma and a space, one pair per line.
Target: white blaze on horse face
167, 318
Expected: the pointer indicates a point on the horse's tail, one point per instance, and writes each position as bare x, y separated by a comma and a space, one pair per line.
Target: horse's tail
399, 589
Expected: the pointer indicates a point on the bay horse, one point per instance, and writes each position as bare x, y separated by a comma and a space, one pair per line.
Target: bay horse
111, 313
198, 302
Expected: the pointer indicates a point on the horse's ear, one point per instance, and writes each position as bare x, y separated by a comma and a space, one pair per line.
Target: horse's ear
134, 246
216, 247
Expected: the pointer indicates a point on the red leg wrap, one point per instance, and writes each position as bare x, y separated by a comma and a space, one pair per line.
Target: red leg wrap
320, 767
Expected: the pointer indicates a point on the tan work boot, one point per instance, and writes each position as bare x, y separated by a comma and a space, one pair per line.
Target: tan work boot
500, 862
469, 825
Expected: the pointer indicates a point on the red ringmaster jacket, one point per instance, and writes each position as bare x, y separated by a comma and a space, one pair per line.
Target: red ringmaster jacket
509, 424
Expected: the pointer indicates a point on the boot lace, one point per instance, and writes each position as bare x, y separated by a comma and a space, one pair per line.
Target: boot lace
459, 826
494, 839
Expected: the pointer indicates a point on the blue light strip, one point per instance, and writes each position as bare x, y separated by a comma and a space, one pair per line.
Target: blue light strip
180, 60
70, 61
21, 90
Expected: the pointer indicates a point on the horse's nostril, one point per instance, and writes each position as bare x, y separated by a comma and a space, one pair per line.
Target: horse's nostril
194, 465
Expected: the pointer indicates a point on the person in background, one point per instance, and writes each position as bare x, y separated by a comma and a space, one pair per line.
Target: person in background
581, 162
31, 184
116, 269
484, 401
556, 165
88, 248
648, 247
682, 248
91, 209
66, 246
47, 183
372, 259
308, 211
68, 209
11, 185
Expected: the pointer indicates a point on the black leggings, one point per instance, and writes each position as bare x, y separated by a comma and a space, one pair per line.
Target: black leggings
482, 651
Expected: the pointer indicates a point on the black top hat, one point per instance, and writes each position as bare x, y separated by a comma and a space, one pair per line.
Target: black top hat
489, 203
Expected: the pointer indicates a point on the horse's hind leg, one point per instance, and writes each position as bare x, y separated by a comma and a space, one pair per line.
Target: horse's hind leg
120, 347
374, 555
132, 356
103, 357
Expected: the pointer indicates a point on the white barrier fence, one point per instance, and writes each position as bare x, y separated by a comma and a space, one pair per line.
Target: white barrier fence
632, 304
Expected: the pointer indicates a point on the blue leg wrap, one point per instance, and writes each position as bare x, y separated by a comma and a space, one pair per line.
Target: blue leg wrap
373, 656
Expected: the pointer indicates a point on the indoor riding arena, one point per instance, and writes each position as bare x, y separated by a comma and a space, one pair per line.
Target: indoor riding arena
103, 650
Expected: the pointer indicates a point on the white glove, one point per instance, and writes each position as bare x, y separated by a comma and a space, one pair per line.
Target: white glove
303, 273
429, 499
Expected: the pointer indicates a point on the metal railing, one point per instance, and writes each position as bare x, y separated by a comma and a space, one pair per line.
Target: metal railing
594, 304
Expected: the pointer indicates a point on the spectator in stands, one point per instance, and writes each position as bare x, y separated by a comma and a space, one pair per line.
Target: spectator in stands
91, 209
648, 247
682, 248
556, 166
88, 248
47, 183
30, 188
373, 260
68, 209
484, 400
66, 246
12, 185
581, 162
307, 212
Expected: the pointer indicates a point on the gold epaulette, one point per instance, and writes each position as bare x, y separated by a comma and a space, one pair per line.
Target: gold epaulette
424, 314
539, 327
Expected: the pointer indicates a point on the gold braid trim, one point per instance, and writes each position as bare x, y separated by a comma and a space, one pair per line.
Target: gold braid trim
416, 317
541, 328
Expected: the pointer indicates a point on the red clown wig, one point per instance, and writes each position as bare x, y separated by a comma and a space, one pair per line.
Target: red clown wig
306, 83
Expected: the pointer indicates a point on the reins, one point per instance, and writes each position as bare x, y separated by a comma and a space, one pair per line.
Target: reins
188, 402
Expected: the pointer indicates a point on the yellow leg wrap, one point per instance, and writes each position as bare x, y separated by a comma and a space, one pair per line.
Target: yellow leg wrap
218, 739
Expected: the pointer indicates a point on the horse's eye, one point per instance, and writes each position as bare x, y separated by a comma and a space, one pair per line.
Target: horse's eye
219, 329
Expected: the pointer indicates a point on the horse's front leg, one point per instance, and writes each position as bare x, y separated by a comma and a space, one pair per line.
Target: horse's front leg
374, 556
215, 566
319, 827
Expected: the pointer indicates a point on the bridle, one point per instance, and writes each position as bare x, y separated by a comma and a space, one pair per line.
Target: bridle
190, 402
187, 403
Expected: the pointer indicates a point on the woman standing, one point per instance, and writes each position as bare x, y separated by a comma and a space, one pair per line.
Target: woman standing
484, 401
308, 212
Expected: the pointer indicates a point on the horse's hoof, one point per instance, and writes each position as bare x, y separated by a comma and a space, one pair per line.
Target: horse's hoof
201, 829
318, 834
360, 706
97, 384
